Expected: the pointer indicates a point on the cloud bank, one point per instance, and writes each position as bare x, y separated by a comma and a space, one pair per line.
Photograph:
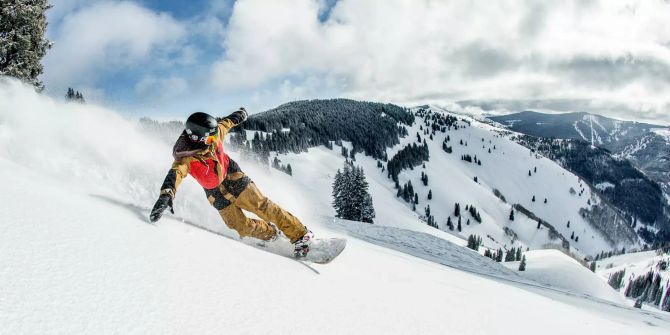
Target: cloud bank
111, 37
609, 55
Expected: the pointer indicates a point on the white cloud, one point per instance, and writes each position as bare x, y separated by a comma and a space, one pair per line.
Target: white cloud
606, 52
155, 88
107, 36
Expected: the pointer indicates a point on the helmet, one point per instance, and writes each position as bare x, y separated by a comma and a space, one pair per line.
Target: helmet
200, 126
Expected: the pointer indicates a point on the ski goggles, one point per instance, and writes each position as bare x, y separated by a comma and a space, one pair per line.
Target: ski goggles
206, 138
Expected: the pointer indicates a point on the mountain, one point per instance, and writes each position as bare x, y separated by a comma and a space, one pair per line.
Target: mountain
645, 145
582, 140
80, 257
595, 129
573, 209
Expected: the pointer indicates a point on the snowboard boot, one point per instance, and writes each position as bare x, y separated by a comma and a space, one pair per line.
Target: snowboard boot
301, 246
264, 243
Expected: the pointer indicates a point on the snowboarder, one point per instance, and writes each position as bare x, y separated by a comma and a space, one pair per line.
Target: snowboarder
199, 152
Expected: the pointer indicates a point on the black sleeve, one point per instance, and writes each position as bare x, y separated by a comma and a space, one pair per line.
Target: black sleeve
237, 117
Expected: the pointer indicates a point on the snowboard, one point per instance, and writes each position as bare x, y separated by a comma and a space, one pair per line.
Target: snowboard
321, 251
324, 250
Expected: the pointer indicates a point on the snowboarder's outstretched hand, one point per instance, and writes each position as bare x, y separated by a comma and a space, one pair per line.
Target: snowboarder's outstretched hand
163, 202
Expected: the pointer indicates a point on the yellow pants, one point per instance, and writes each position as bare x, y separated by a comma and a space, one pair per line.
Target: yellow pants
252, 200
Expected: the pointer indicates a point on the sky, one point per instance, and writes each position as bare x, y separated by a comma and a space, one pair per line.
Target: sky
169, 58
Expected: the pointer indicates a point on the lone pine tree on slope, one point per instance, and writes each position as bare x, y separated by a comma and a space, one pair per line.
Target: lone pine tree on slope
22, 41
351, 199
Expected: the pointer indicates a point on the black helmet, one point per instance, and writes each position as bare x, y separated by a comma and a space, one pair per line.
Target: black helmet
199, 126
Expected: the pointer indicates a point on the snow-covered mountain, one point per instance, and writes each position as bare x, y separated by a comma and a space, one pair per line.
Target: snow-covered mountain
78, 255
508, 175
604, 151
595, 129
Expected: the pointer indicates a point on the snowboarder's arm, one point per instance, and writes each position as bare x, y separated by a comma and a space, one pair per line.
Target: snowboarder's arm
232, 120
177, 172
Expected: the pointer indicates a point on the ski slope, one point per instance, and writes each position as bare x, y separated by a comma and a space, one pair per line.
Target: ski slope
78, 255
452, 180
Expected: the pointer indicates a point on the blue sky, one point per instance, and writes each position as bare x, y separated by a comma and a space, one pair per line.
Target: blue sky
169, 58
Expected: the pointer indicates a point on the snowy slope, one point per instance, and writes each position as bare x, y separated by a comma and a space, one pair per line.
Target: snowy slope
555, 269
635, 265
78, 255
451, 180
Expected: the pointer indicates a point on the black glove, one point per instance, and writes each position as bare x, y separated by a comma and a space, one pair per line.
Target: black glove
237, 117
163, 202
243, 111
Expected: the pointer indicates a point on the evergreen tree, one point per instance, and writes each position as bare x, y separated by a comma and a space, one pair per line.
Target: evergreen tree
665, 304
351, 199
592, 266
517, 257
457, 210
522, 265
474, 242
430, 194
539, 223
459, 227
449, 223
616, 279
533, 199
510, 255
511, 214
22, 42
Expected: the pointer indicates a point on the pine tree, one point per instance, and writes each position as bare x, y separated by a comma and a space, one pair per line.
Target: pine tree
511, 214
510, 255
430, 194
449, 223
533, 199
615, 279
474, 242
351, 199
517, 257
22, 42
539, 223
457, 210
459, 227
592, 266
522, 265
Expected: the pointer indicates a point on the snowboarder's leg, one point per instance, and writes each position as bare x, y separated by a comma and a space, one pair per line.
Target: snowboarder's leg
252, 200
235, 219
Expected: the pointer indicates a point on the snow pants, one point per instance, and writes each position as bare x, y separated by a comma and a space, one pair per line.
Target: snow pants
249, 198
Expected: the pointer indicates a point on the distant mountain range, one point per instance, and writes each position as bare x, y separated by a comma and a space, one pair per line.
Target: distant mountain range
595, 129
646, 145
